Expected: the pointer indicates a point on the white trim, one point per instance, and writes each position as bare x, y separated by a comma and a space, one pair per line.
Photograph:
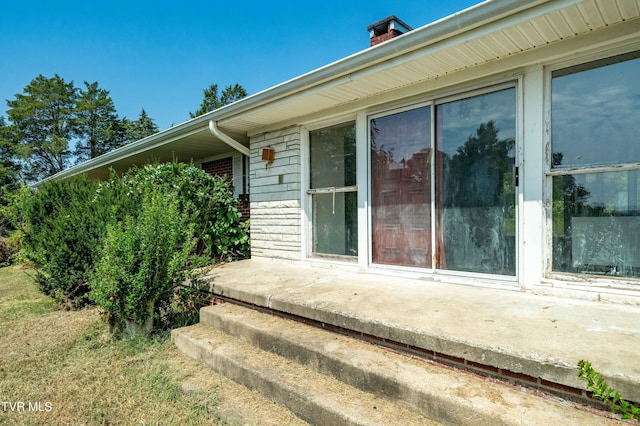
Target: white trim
237, 172
496, 86
305, 194
363, 176
434, 212
306, 242
532, 220
519, 189
461, 278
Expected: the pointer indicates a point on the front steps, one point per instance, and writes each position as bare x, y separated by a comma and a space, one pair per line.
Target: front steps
330, 379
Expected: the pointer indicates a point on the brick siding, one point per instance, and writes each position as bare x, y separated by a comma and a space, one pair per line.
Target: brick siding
224, 167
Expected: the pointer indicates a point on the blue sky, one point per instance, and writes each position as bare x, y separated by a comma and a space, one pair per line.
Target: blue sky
160, 55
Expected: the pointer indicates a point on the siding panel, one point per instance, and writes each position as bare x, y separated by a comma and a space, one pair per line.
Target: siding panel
275, 196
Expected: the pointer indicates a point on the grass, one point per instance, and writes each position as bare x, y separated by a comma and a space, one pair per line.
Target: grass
67, 362
67, 365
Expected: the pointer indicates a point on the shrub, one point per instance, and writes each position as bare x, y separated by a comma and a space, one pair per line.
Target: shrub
67, 226
144, 258
9, 248
5, 252
207, 202
62, 224
10, 219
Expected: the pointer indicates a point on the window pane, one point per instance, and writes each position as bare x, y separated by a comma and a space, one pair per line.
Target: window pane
475, 191
335, 225
401, 188
595, 114
334, 215
596, 224
333, 156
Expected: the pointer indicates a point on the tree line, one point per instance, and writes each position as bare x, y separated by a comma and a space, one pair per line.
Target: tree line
53, 125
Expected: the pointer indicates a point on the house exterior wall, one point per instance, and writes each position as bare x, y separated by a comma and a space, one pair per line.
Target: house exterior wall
219, 168
275, 195
282, 208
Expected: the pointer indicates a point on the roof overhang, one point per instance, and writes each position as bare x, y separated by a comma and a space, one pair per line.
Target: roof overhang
187, 142
488, 32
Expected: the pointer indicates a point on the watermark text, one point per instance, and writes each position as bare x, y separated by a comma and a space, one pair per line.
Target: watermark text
26, 406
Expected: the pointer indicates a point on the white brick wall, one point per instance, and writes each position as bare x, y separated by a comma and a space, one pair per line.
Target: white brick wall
275, 195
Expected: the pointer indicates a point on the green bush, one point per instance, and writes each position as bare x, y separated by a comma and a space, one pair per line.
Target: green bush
10, 219
62, 225
120, 236
144, 258
9, 248
205, 201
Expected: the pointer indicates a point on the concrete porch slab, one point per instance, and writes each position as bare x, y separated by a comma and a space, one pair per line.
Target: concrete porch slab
520, 334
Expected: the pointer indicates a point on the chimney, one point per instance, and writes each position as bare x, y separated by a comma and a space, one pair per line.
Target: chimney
386, 29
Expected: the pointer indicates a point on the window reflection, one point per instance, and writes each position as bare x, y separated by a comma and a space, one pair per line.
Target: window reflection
333, 168
596, 121
596, 224
595, 113
401, 188
475, 192
333, 156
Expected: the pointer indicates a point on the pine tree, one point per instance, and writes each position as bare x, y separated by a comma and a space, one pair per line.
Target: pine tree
9, 166
44, 124
97, 123
141, 128
212, 101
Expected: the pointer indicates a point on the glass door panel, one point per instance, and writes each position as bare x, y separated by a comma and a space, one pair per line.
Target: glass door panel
475, 184
401, 188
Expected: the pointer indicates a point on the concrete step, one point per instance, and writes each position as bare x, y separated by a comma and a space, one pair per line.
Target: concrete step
290, 361
313, 397
524, 338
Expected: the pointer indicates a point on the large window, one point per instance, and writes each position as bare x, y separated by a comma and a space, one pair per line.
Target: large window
333, 190
595, 141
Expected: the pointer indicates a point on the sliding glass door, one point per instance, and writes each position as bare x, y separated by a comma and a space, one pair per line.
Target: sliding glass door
451, 200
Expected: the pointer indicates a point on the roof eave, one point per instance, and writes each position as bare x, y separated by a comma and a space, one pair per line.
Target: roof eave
434, 32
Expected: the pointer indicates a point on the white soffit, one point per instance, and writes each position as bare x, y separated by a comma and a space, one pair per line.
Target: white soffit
541, 25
